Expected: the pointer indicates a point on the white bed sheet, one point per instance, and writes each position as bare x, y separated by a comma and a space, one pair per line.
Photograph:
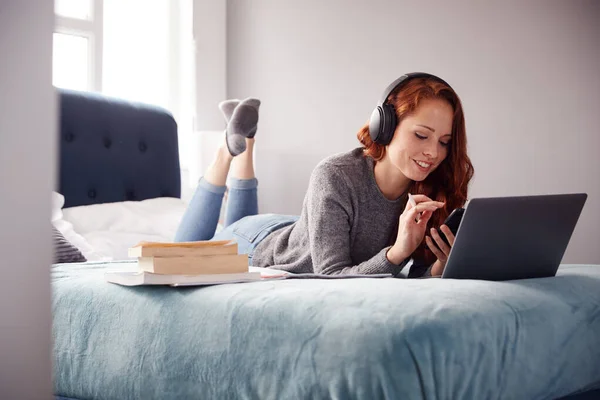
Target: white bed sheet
104, 232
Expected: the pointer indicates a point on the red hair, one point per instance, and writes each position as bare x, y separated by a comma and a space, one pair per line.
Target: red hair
450, 180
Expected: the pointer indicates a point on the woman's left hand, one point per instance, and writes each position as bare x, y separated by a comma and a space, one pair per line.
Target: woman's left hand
439, 248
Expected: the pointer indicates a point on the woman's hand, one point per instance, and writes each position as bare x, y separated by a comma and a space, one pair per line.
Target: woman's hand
411, 228
440, 248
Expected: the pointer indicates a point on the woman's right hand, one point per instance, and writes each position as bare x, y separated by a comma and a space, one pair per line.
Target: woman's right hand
411, 228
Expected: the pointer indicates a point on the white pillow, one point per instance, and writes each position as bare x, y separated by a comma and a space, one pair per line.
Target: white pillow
117, 244
112, 228
86, 248
66, 228
159, 216
58, 201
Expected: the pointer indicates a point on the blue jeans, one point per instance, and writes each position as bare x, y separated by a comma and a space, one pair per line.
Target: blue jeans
242, 222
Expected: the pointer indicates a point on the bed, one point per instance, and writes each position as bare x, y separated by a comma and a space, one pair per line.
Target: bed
119, 179
297, 338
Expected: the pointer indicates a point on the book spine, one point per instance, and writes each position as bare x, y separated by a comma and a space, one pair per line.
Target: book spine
221, 264
231, 248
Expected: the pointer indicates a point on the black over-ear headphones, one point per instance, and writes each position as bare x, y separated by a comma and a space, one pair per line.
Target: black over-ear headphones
384, 120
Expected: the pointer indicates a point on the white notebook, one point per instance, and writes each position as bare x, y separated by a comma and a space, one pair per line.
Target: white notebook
136, 277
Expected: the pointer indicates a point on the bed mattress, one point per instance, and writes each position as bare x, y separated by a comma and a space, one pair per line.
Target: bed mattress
339, 339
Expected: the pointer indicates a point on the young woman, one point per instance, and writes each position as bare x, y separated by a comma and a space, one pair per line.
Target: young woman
356, 217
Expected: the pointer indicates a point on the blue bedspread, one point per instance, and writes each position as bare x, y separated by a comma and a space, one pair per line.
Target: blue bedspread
317, 339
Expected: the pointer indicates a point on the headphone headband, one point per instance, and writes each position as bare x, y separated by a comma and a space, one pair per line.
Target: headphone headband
411, 75
383, 120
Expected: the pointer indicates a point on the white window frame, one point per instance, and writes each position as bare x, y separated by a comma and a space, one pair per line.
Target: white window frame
92, 30
182, 58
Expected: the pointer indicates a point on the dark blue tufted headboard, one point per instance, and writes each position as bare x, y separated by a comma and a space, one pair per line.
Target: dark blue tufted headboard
112, 150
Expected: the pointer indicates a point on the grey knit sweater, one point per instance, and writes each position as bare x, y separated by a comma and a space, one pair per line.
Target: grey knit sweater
346, 225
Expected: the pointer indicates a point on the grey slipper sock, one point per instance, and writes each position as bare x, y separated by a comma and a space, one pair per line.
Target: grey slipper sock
227, 108
236, 144
256, 104
245, 118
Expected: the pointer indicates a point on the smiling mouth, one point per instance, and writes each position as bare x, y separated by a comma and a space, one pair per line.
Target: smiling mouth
424, 166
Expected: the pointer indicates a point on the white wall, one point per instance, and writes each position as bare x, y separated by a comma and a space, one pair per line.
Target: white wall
27, 146
211, 62
527, 73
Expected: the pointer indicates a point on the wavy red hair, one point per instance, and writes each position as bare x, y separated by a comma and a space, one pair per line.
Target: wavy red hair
450, 180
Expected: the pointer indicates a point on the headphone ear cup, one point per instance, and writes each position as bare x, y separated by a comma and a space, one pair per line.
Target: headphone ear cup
375, 124
388, 125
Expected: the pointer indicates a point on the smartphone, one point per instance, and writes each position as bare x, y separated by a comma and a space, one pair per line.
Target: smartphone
453, 222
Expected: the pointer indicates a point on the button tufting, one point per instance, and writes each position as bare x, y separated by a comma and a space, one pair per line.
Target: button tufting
143, 147
107, 142
69, 137
92, 194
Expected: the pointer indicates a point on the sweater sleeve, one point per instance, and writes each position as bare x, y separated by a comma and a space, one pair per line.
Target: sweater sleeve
330, 215
419, 269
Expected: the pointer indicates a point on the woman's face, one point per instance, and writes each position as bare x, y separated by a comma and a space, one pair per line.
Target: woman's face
420, 142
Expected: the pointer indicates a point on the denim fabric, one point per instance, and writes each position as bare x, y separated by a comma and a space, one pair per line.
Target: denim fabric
241, 220
200, 220
242, 199
249, 231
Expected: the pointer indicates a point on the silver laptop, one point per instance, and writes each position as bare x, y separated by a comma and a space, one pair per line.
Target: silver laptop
506, 238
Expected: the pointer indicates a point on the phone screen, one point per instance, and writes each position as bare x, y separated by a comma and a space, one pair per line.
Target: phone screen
453, 222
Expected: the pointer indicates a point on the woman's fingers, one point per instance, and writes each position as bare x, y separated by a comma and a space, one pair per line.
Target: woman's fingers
422, 218
448, 233
425, 217
419, 198
413, 213
425, 206
440, 242
428, 205
435, 250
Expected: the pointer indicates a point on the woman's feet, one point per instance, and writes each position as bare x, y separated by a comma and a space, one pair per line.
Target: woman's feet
242, 120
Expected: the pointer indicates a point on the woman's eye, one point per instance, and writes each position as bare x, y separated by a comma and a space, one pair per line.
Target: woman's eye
445, 144
420, 136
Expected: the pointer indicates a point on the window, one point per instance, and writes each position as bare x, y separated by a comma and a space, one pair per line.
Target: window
77, 9
77, 45
71, 66
137, 50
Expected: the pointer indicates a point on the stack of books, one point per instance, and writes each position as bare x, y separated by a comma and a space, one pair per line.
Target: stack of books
186, 263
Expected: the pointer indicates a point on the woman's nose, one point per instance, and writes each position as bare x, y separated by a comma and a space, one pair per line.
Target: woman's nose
430, 151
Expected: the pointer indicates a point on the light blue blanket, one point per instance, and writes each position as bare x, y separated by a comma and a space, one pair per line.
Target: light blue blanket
321, 339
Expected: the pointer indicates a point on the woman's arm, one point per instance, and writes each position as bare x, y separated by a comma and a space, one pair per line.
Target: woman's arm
330, 215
